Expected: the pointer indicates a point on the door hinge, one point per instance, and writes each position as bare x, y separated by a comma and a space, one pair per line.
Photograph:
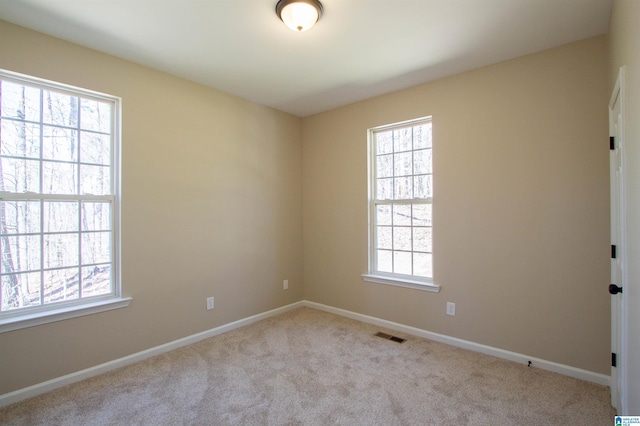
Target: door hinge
613, 251
614, 359
612, 142
614, 289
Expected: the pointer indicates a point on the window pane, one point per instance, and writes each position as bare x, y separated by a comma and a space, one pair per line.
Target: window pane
20, 101
95, 116
384, 237
60, 250
96, 247
422, 239
402, 214
20, 291
59, 144
383, 215
384, 142
422, 264
402, 262
384, 189
384, 166
60, 109
403, 188
402, 140
424, 186
20, 175
422, 161
385, 263
422, 136
59, 178
61, 284
402, 164
96, 216
20, 217
95, 149
422, 215
20, 254
401, 238
60, 216
20, 139
96, 280
95, 180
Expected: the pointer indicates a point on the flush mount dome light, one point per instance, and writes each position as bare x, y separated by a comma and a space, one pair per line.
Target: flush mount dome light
299, 15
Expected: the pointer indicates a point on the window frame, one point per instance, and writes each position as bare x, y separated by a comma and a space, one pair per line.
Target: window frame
60, 310
373, 275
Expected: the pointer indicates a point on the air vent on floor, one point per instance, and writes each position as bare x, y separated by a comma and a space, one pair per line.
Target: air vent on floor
390, 337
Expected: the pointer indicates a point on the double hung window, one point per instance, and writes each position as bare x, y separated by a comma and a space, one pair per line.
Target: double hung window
58, 197
400, 203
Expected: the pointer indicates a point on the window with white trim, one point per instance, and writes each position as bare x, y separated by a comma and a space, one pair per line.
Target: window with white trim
400, 203
58, 197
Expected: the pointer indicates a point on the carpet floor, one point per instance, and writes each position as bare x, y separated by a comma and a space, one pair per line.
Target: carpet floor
308, 367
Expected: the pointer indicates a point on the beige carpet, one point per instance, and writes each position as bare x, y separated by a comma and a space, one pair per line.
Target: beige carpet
308, 367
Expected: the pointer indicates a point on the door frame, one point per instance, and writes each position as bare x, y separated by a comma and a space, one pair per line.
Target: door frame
619, 316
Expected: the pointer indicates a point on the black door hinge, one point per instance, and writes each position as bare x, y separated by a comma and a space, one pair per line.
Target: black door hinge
612, 142
614, 289
614, 360
613, 251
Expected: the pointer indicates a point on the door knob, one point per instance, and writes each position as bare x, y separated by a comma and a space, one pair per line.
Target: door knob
614, 289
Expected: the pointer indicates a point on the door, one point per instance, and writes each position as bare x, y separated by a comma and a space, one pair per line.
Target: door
618, 251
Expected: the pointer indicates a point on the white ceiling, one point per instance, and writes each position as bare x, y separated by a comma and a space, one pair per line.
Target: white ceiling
358, 49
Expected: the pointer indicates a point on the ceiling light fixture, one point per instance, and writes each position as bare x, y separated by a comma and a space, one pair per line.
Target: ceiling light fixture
299, 15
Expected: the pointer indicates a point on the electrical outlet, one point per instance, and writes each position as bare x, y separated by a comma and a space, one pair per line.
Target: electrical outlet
209, 303
285, 285
451, 309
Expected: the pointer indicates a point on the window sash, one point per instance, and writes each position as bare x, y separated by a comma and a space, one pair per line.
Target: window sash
392, 249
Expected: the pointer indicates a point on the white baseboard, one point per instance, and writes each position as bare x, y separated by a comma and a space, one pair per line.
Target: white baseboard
566, 370
40, 388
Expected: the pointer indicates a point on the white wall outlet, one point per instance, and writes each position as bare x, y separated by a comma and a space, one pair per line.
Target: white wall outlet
451, 309
285, 285
209, 303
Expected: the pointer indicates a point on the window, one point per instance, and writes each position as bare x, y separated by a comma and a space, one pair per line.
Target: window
400, 205
58, 200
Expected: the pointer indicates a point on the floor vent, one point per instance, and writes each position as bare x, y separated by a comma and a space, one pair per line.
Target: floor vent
390, 337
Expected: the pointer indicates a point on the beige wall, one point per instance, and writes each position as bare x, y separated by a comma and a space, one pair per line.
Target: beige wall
211, 206
521, 211
624, 48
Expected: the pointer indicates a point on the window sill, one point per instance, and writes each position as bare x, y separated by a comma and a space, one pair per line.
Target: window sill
400, 282
38, 318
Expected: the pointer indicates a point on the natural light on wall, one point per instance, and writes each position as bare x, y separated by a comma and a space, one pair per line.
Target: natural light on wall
299, 15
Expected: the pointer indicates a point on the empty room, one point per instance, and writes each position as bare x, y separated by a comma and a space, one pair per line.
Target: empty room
319, 212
